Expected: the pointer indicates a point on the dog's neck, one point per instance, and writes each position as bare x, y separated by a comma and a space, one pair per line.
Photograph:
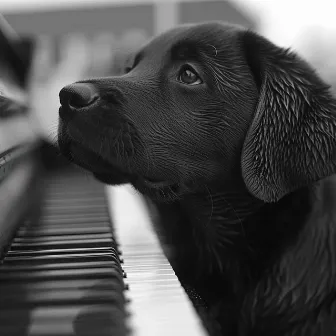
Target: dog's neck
224, 243
230, 232
209, 227
219, 216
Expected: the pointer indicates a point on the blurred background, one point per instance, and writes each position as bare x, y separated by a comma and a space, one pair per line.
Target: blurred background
85, 38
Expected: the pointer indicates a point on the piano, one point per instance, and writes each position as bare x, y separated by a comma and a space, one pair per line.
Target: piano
76, 257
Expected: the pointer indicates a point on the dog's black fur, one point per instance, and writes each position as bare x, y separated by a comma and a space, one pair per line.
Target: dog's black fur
237, 157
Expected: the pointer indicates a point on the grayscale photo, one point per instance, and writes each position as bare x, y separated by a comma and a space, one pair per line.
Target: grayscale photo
167, 168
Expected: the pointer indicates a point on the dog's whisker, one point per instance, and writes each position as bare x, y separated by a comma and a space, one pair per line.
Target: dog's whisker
52, 132
212, 205
54, 141
101, 145
150, 164
147, 161
115, 140
236, 214
118, 144
215, 49
125, 154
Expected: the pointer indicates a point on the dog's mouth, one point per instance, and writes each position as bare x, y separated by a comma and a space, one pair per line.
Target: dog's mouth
135, 179
87, 159
153, 183
108, 172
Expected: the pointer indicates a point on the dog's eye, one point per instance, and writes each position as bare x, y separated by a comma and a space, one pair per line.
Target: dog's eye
189, 76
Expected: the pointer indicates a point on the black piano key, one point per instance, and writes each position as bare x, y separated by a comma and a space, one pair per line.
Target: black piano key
77, 209
61, 258
72, 219
51, 231
64, 208
72, 212
63, 244
64, 237
60, 274
51, 285
33, 299
64, 193
24, 267
61, 226
32, 253
76, 218
67, 320
75, 201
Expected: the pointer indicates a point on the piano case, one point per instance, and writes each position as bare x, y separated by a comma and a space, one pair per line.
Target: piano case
60, 271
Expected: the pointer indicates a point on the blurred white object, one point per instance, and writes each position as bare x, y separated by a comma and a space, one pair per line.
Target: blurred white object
48, 78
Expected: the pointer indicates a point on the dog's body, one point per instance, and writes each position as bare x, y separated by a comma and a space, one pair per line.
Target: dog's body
232, 139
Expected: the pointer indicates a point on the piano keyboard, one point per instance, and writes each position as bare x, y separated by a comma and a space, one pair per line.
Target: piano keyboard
63, 276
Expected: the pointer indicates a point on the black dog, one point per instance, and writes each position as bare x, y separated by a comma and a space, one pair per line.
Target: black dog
233, 139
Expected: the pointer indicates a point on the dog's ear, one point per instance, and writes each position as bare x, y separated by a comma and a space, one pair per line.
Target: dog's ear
291, 140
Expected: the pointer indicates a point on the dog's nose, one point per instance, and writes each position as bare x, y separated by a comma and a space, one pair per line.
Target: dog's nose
78, 95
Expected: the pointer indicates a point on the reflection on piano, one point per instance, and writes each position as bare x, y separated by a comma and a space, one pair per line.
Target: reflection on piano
61, 273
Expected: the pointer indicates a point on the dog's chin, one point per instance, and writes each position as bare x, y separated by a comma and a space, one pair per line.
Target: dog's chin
92, 162
111, 174
113, 178
160, 191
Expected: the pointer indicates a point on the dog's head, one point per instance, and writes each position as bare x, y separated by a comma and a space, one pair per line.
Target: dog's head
202, 104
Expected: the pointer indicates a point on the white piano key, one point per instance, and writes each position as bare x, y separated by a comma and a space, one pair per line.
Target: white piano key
159, 305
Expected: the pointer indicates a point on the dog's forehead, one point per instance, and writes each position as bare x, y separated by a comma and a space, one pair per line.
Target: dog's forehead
212, 33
